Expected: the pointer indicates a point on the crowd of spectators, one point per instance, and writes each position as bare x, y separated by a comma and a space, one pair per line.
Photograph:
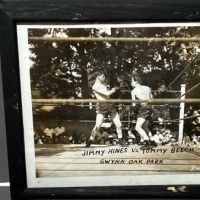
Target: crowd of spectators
192, 126
106, 135
58, 135
162, 134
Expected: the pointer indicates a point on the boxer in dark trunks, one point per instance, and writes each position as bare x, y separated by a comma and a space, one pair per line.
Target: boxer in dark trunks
102, 93
142, 92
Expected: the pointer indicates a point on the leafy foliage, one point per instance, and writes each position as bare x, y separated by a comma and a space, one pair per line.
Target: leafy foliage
65, 69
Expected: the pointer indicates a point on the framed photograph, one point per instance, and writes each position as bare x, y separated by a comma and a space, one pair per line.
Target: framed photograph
102, 98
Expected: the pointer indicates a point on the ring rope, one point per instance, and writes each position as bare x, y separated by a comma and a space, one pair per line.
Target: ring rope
151, 101
192, 88
187, 66
169, 91
114, 39
176, 120
94, 105
156, 121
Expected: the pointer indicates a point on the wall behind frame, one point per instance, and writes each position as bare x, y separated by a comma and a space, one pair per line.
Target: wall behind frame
4, 174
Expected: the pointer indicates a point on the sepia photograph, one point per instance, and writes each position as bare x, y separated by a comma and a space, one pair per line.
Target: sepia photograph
110, 104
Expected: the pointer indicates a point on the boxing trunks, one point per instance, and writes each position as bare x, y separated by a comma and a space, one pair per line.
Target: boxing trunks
145, 112
107, 109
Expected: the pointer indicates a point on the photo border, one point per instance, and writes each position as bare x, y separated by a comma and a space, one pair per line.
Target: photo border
82, 181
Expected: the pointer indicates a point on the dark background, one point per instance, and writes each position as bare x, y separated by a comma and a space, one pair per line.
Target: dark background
4, 175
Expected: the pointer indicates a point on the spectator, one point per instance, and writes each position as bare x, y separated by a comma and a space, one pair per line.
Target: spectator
59, 130
195, 139
38, 137
49, 132
76, 136
82, 139
71, 139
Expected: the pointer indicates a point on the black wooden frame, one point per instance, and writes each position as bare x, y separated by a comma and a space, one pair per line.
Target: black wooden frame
80, 11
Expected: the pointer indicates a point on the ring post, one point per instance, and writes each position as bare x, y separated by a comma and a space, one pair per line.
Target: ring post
181, 115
